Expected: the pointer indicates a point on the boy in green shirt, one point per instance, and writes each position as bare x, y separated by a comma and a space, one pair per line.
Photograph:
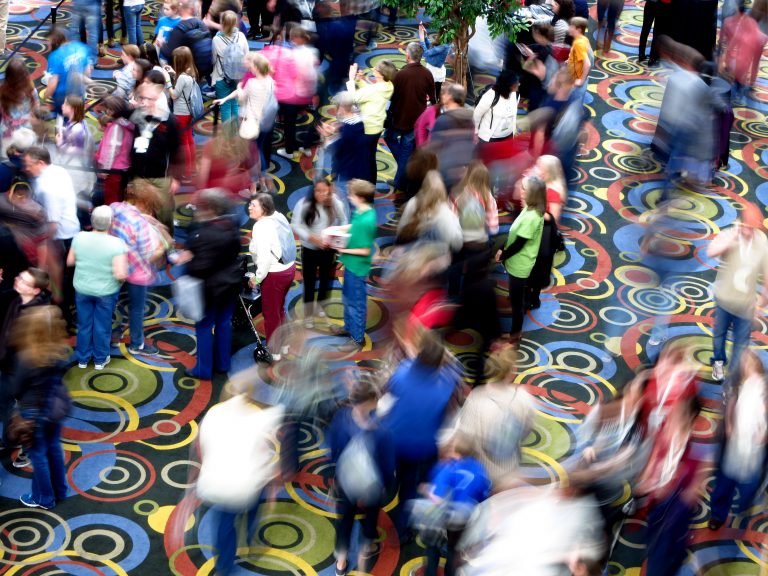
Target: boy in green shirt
357, 258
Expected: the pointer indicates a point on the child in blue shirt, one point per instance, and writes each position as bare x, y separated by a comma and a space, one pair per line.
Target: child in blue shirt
435, 56
166, 22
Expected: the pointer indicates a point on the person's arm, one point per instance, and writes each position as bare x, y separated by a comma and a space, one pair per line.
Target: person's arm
261, 249
511, 250
482, 108
120, 267
298, 225
722, 242
50, 90
71, 258
556, 210
586, 65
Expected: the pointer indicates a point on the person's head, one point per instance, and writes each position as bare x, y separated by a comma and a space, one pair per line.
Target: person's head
56, 38
751, 365
145, 196
36, 159
183, 62
535, 193
30, 282
228, 21
73, 108
21, 140
258, 64
298, 35
506, 83
432, 193
503, 363
751, 219
129, 53
550, 170
154, 77
564, 9
413, 52
214, 203
361, 192
141, 68
17, 85
476, 179
261, 205
385, 71
578, 26
453, 96
345, 104
364, 392
320, 196
147, 97
322, 192
543, 33
40, 336
148, 51
421, 161
101, 218
187, 8
170, 9
431, 349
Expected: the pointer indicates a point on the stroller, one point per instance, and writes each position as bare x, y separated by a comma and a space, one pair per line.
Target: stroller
248, 299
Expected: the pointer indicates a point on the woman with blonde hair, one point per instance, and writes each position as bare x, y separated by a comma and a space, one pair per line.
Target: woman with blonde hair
181, 94
428, 215
40, 338
549, 169
224, 86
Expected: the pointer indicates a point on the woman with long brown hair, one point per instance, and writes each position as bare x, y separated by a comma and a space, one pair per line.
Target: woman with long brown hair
40, 338
181, 93
18, 100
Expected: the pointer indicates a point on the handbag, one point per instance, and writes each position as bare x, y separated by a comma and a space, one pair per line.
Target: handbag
249, 128
188, 293
21, 431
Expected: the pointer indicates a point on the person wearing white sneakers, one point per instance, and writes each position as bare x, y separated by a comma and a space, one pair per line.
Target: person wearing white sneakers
101, 265
743, 253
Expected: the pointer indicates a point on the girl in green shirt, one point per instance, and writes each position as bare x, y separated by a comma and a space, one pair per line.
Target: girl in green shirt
522, 248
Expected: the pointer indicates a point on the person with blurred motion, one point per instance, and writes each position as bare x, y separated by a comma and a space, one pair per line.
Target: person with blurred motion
496, 418
273, 249
114, 151
521, 249
743, 253
495, 115
212, 255
69, 65
579, 62
318, 210
373, 99
429, 216
227, 162
42, 400
741, 48
414, 89
435, 55
743, 457
453, 135
417, 402
364, 457
101, 266
350, 150
608, 13
357, 257
669, 488
238, 461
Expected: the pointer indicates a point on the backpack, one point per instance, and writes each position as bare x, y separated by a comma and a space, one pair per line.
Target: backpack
471, 212
357, 473
198, 39
507, 436
195, 101
285, 236
232, 60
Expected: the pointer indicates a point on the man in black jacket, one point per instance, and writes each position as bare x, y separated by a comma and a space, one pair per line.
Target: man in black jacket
194, 34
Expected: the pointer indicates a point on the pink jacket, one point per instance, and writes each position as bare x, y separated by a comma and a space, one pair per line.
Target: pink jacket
422, 130
294, 72
114, 151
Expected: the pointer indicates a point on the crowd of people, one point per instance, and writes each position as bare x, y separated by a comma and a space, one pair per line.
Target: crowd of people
86, 217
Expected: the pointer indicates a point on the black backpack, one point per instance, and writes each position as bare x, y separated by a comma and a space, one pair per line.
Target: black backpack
198, 39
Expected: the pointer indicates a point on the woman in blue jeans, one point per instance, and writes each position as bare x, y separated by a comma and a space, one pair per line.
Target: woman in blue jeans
40, 338
132, 10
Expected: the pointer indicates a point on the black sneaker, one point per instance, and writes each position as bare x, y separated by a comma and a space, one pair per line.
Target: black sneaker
146, 349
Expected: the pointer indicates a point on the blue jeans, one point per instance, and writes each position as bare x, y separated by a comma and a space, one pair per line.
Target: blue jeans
668, 527
49, 477
94, 326
742, 328
132, 15
401, 143
725, 490
214, 341
355, 299
137, 298
88, 13
229, 109
226, 536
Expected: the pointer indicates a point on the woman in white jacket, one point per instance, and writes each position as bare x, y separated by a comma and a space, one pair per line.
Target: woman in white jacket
495, 114
273, 274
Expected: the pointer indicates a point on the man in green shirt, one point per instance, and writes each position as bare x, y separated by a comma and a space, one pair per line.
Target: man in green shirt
357, 258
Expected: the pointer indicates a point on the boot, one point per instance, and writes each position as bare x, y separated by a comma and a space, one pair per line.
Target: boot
600, 29
607, 42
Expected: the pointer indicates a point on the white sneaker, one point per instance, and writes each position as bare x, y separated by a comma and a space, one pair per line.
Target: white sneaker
718, 374
284, 153
306, 151
276, 357
82, 365
101, 366
656, 340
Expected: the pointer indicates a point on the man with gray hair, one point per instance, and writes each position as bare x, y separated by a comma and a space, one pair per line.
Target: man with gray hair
414, 89
453, 135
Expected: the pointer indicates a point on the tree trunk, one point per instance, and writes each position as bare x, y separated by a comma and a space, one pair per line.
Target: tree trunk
461, 46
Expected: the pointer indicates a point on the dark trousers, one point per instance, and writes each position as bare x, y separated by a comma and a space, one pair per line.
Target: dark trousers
346, 511
725, 490
214, 340
668, 526
257, 11
290, 115
517, 302
410, 473
649, 15
317, 265
433, 555
109, 12
67, 287
372, 141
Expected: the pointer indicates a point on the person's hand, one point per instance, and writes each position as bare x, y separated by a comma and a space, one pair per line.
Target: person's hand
252, 282
159, 41
498, 256
353, 71
218, 102
578, 83
174, 186
422, 32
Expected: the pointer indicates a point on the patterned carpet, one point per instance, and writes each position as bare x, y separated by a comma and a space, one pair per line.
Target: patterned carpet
130, 439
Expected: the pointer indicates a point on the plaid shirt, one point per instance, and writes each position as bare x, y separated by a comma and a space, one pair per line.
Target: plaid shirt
130, 225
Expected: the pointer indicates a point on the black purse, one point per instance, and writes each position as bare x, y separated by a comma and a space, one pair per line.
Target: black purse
552, 240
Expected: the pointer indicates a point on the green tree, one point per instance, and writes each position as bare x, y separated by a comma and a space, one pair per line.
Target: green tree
454, 21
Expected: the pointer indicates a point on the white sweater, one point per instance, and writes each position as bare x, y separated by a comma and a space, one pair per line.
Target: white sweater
500, 122
265, 247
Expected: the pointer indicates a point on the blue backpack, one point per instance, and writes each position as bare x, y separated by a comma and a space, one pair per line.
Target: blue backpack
195, 101
232, 59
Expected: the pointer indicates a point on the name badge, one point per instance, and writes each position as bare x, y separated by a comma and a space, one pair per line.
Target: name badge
141, 144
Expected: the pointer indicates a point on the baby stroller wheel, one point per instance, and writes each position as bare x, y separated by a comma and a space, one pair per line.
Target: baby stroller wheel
261, 354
